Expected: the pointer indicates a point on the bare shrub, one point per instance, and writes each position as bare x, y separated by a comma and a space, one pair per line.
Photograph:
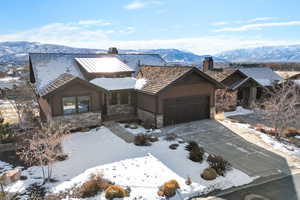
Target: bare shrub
225, 100
43, 147
171, 137
142, 140
219, 164
278, 107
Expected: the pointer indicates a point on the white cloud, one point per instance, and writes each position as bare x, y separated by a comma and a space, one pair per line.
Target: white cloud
138, 4
94, 22
73, 34
258, 26
258, 19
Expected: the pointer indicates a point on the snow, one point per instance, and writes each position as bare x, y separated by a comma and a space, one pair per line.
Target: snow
271, 140
143, 169
9, 79
5, 167
239, 111
140, 83
140, 130
115, 83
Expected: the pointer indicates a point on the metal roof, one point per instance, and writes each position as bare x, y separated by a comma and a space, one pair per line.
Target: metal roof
265, 76
103, 65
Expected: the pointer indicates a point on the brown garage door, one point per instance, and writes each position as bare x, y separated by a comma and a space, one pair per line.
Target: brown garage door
185, 109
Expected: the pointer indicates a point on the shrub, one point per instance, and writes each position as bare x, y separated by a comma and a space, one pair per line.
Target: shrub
114, 191
191, 145
171, 137
289, 132
168, 189
219, 164
196, 155
173, 146
141, 140
188, 181
91, 187
209, 174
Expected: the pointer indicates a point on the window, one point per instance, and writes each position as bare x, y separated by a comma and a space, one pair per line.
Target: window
124, 98
83, 104
114, 99
69, 105
78, 104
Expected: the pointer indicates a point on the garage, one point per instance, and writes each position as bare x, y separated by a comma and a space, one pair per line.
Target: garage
186, 109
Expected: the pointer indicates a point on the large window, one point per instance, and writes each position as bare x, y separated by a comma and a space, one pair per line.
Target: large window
124, 98
78, 104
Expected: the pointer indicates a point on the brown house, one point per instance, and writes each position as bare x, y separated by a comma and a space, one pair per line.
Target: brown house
86, 89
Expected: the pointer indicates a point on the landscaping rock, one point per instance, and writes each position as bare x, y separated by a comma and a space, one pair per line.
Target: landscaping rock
173, 146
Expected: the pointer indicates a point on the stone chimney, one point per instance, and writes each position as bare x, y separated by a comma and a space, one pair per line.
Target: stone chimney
112, 50
208, 64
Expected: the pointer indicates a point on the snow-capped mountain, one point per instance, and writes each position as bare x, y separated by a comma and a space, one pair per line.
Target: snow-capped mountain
16, 53
263, 54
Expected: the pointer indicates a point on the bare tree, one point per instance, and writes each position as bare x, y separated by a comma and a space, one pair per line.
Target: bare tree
43, 148
24, 102
278, 107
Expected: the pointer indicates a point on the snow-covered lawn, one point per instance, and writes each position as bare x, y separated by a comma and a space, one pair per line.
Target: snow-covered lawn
139, 129
239, 111
143, 169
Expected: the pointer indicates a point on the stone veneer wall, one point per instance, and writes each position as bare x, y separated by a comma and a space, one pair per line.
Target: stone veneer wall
120, 109
145, 115
82, 120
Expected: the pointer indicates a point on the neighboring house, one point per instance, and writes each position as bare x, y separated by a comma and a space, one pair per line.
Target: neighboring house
86, 89
250, 83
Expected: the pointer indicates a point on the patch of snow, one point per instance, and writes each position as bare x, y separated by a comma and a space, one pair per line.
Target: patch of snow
140, 129
5, 167
239, 111
271, 140
115, 83
9, 79
140, 83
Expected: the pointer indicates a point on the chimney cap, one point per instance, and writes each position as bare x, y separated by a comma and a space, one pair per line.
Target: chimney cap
112, 50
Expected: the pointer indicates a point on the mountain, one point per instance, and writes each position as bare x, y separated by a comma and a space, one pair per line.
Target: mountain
263, 54
16, 53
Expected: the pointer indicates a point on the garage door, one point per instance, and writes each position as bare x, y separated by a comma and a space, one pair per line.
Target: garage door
185, 109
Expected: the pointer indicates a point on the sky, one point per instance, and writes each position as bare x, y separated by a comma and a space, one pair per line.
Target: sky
199, 26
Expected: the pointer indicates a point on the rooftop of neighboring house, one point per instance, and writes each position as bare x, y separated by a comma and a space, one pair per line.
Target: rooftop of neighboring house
45, 68
265, 76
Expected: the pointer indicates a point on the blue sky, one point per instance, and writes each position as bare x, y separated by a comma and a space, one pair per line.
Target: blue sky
200, 26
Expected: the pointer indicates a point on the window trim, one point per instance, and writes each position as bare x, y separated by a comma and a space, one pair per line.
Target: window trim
76, 104
111, 99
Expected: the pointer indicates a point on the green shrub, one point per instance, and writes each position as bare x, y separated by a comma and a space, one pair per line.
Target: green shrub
191, 145
196, 155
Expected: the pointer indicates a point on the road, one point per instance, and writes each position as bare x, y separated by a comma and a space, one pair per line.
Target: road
287, 188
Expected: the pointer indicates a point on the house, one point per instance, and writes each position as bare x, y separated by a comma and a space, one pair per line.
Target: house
250, 83
86, 89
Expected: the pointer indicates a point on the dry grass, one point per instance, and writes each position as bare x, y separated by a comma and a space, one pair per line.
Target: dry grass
168, 189
114, 191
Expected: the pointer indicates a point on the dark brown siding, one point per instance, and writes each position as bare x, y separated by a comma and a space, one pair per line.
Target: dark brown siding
233, 78
189, 88
146, 102
75, 89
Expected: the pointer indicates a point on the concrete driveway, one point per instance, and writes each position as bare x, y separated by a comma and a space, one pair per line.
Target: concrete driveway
243, 155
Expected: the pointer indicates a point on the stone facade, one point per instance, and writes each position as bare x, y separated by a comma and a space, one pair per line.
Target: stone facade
212, 112
82, 120
120, 109
157, 121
